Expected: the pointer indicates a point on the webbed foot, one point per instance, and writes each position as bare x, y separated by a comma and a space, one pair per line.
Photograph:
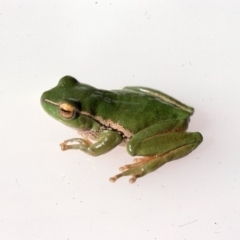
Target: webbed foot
139, 168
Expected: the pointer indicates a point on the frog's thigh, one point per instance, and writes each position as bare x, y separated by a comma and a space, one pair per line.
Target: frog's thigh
155, 131
164, 143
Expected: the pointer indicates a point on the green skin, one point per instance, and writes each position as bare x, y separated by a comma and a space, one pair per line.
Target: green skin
152, 124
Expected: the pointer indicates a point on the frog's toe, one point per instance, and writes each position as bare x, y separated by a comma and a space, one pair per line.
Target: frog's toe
137, 162
136, 170
127, 170
142, 159
63, 146
131, 180
139, 168
129, 166
116, 177
113, 179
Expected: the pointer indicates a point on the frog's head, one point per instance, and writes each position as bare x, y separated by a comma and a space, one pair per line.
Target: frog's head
63, 102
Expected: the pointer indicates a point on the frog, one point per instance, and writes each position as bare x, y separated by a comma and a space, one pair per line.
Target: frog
151, 124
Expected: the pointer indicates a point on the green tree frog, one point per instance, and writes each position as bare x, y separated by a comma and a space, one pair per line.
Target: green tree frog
152, 124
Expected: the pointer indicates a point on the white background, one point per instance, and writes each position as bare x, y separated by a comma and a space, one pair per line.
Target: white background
188, 49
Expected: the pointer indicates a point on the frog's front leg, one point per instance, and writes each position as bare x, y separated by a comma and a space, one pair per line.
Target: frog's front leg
158, 149
106, 140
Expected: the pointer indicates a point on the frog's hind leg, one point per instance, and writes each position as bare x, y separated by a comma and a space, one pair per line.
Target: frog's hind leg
164, 97
185, 143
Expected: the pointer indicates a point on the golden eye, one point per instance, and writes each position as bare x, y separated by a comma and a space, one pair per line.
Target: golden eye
66, 111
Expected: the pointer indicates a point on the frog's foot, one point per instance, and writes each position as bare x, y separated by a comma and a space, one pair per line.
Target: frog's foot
139, 168
81, 143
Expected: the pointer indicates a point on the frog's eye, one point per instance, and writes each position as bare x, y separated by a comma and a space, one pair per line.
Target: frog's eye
66, 110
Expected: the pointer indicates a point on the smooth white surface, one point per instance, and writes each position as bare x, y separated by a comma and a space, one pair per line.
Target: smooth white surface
188, 49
